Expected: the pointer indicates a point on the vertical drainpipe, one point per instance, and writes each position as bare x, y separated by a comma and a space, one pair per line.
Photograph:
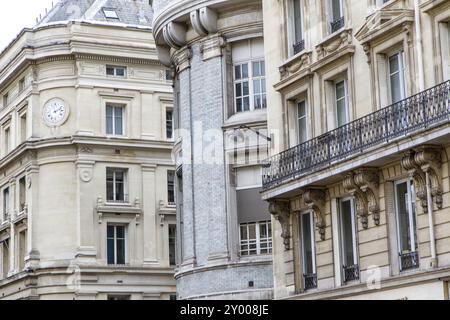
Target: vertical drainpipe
433, 262
419, 48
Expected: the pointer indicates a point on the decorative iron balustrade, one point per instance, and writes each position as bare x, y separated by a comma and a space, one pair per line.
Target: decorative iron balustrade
310, 281
415, 114
337, 24
409, 260
299, 46
351, 273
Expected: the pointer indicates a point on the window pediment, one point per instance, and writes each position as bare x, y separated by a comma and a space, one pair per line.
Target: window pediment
383, 22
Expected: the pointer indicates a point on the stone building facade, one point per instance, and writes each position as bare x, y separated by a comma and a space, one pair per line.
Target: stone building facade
216, 52
86, 173
358, 183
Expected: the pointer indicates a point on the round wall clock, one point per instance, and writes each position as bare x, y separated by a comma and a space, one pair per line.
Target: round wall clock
55, 112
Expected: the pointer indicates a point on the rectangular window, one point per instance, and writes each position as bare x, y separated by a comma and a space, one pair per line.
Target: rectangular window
22, 194
23, 127
21, 84
308, 250
242, 87
406, 225
114, 71
22, 249
169, 124
5, 258
115, 185
171, 187
119, 297
110, 14
5, 99
114, 120
337, 15
342, 114
302, 122
256, 238
299, 42
116, 238
7, 138
172, 244
348, 228
5, 204
259, 85
397, 77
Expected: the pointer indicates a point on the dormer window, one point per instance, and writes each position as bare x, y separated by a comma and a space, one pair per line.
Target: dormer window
110, 14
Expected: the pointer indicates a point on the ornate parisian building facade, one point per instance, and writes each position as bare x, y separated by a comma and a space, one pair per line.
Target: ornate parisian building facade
358, 183
216, 52
86, 142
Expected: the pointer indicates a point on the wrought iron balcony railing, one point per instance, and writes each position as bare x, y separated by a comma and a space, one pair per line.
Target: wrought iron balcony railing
310, 281
299, 46
409, 260
351, 273
337, 24
415, 114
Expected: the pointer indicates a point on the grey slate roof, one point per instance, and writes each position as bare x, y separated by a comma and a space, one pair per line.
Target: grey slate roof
130, 12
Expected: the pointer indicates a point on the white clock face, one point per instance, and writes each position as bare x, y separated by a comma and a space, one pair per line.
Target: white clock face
55, 112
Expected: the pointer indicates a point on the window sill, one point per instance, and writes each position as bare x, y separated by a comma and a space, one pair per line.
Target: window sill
247, 117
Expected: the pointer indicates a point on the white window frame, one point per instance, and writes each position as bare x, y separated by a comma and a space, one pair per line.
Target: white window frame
125, 185
257, 241
331, 17
172, 122
411, 203
354, 230
402, 70
299, 118
115, 106
115, 68
313, 241
251, 88
116, 225
292, 25
345, 98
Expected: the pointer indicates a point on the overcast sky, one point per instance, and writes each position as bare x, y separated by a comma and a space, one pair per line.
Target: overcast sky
18, 14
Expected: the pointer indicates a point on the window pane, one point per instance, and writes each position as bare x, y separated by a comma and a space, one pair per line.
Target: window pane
256, 69
244, 71
347, 232
403, 218
298, 21
120, 232
111, 251
307, 244
120, 72
121, 251
245, 88
239, 105
109, 120
396, 89
340, 90
252, 232
244, 235
341, 112
256, 86
237, 72
336, 9
118, 120
238, 90
394, 65
246, 104
109, 71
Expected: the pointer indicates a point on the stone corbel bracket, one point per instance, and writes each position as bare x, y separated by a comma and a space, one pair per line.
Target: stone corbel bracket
360, 198
174, 34
368, 180
315, 199
204, 21
409, 164
428, 158
281, 211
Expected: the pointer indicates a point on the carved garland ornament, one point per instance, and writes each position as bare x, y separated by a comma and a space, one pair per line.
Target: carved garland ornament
315, 200
281, 211
424, 160
363, 184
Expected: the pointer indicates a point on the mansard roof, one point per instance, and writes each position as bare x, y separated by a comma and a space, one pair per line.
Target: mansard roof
123, 12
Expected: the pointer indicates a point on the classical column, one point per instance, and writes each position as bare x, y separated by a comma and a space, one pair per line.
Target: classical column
12, 214
32, 186
86, 250
149, 207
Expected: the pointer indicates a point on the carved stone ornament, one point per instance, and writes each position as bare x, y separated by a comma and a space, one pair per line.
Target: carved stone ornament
368, 182
300, 63
360, 199
342, 39
281, 211
212, 47
182, 59
409, 164
315, 200
418, 163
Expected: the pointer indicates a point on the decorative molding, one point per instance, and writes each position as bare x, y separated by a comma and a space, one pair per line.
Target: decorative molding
360, 198
182, 59
368, 180
281, 211
212, 47
333, 44
414, 171
315, 199
295, 65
